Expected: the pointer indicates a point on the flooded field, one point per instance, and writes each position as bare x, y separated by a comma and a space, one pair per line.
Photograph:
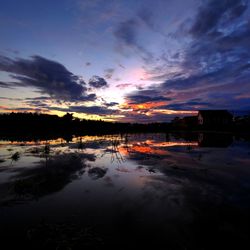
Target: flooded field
167, 191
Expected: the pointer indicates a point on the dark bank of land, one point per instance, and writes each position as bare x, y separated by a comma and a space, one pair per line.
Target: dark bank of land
32, 125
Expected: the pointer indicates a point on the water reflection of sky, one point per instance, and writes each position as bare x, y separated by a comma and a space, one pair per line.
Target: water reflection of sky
153, 181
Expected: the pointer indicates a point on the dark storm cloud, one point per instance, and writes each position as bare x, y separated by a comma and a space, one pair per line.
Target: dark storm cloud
42, 102
219, 59
147, 95
216, 59
5, 85
211, 13
38, 98
189, 105
48, 76
212, 53
111, 104
28, 109
37, 103
89, 97
97, 110
91, 110
97, 82
137, 99
25, 109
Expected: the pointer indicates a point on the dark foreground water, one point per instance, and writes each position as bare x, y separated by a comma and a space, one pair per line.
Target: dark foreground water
145, 190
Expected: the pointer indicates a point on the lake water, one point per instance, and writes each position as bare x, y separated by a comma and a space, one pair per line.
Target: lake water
167, 191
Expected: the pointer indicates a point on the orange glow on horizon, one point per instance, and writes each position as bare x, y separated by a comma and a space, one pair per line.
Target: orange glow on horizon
171, 143
170, 111
145, 105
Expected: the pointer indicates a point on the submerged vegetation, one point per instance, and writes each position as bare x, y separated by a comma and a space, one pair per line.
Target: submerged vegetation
15, 157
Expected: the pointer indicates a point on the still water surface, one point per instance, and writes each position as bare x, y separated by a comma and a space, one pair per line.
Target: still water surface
160, 190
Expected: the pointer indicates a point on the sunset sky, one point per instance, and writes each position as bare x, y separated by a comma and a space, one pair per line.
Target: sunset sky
124, 60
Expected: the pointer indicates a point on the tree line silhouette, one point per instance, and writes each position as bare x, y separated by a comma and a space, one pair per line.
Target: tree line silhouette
30, 125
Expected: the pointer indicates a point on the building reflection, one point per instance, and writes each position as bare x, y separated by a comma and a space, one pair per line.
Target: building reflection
217, 140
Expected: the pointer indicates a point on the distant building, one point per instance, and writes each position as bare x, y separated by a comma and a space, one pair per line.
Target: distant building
214, 118
190, 121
